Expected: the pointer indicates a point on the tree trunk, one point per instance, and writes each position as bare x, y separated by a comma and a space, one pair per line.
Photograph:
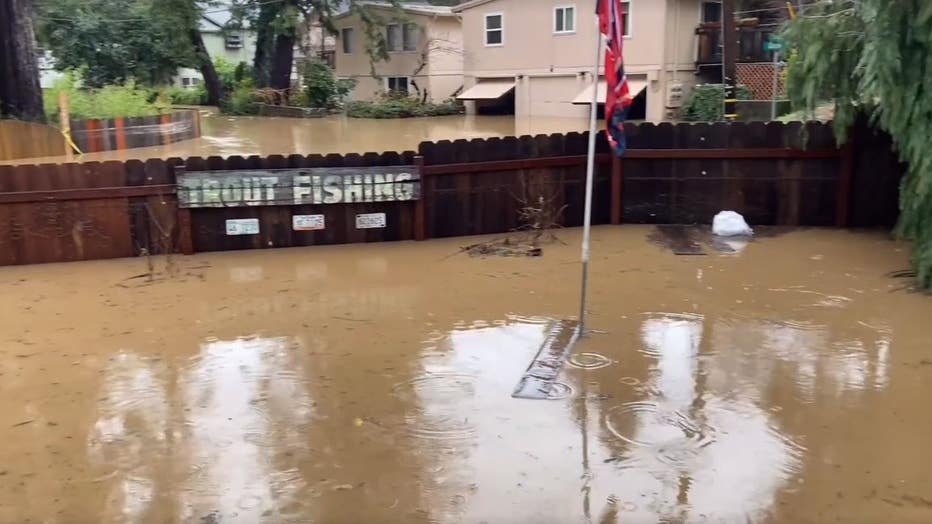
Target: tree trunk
283, 62
265, 44
20, 92
215, 94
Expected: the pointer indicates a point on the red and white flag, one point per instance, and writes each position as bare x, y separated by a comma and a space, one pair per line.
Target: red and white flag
618, 98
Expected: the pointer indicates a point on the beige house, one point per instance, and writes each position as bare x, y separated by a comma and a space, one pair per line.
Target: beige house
425, 51
535, 57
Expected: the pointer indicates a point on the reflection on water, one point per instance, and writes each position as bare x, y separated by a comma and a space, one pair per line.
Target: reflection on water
691, 452
227, 135
239, 404
370, 392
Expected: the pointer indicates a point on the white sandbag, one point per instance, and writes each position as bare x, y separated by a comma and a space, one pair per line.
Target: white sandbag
730, 224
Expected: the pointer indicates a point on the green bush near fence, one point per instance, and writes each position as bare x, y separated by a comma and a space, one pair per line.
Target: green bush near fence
243, 99
705, 103
182, 96
111, 101
322, 89
393, 106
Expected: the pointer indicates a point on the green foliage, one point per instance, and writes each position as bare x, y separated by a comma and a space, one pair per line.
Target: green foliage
706, 102
394, 106
186, 97
231, 74
873, 57
322, 88
117, 40
107, 102
243, 99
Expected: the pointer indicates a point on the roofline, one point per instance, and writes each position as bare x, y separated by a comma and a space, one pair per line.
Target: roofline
469, 5
411, 9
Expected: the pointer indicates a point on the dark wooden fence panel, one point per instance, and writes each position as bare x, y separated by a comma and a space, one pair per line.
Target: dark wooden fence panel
684, 173
208, 225
37, 228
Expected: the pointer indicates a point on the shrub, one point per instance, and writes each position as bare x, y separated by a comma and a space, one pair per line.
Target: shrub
107, 102
186, 97
394, 106
242, 100
705, 103
321, 88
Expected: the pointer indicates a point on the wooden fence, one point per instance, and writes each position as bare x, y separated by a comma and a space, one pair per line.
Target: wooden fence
30, 140
773, 173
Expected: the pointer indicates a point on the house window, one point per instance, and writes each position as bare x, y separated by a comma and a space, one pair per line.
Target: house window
190, 81
495, 29
397, 85
346, 38
393, 37
411, 37
233, 41
626, 17
711, 12
564, 19
402, 37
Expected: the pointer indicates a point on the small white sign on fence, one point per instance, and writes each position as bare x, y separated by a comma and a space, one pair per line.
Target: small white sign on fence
307, 222
243, 226
370, 221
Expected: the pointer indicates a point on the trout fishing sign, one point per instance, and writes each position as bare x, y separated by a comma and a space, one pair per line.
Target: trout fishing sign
290, 187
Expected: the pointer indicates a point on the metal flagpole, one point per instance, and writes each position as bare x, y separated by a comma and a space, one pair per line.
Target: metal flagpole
590, 174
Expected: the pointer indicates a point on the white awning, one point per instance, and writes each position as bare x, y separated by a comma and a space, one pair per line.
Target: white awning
585, 96
488, 89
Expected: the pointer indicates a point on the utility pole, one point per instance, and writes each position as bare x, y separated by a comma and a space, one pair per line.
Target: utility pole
729, 57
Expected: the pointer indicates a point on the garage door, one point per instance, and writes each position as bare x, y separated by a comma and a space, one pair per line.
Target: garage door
553, 96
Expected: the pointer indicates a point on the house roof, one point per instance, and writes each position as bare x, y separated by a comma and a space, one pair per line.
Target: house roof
217, 16
416, 8
469, 5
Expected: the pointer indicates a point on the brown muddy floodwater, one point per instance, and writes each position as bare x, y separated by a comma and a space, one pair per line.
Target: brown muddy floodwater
224, 135
787, 382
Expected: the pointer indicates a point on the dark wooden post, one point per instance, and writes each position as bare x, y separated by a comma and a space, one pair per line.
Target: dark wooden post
420, 211
617, 189
183, 219
729, 58
845, 178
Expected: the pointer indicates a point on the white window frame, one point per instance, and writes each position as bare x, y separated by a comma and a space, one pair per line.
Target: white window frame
628, 29
388, 89
347, 43
562, 9
485, 29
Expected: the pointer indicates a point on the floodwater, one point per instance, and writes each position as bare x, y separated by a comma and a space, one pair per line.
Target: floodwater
224, 135
785, 382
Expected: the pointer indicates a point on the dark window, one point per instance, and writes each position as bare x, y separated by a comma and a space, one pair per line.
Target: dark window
233, 41
394, 37
411, 37
494, 30
346, 37
397, 84
711, 12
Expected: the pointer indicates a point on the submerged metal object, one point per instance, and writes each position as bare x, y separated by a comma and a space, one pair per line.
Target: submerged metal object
540, 377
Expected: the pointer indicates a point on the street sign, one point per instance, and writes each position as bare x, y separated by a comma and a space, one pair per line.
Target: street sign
773, 46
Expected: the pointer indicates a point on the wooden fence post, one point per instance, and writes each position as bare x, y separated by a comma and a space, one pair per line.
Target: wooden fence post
420, 212
617, 189
845, 179
183, 218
